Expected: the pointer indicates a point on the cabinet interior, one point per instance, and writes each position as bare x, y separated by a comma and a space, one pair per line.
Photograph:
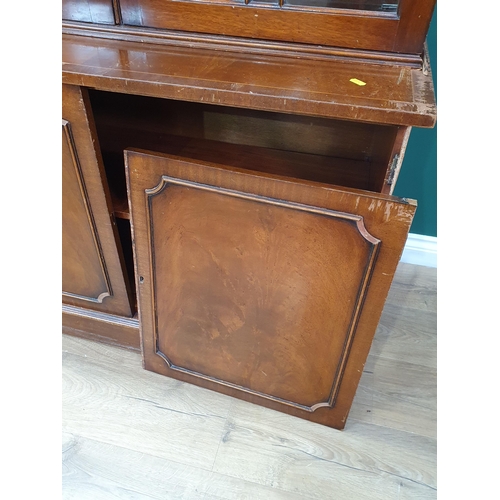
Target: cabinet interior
337, 152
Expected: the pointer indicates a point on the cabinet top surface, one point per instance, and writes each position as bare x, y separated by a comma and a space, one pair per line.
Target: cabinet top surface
328, 87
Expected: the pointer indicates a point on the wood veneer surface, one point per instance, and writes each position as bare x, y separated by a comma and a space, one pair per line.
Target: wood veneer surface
245, 274
393, 94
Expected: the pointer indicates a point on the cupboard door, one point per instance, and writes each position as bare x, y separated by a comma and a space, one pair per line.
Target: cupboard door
258, 286
93, 275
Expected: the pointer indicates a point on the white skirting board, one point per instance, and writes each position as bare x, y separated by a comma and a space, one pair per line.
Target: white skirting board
420, 250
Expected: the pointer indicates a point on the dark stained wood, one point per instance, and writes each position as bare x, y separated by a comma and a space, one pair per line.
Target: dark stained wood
140, 117
415, 18
392, 94
293, 25
351, 173
329, 170
346, 153
101, 327
403, 33
89, 11
396, 160
334, 152
84, 272
92, 261
120, 206
256, 285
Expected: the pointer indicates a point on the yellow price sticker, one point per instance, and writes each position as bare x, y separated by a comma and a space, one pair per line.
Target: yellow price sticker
357, 82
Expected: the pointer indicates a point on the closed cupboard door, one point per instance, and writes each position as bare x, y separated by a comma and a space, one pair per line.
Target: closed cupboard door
92, 274
258, 286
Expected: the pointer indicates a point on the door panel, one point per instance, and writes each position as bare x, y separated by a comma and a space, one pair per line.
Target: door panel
261, 287
89, 280
92, 274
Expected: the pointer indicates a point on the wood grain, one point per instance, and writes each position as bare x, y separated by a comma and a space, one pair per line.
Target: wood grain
245, 127
329, 170
414, 287
395, 160
281, 281
85, 183
348, 28
267, 309
95, 470
340, 152
406, 338
270, 450
405, 334
255, 21
240, 44
134, 395
85, 274
101, 327
393, 94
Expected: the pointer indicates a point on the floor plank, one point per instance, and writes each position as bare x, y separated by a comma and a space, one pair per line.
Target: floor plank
414, 287
406, 334
363, 461
95, 470
139, 409
133, 434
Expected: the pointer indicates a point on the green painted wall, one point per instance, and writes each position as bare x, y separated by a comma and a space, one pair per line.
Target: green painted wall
418, 177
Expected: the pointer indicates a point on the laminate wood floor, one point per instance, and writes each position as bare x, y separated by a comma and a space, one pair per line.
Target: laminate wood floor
132, 434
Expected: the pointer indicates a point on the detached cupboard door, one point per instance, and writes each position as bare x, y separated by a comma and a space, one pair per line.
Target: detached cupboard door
261, 287
93, 272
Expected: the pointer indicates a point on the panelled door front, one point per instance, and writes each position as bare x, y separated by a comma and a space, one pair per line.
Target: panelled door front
260, 287
93, 274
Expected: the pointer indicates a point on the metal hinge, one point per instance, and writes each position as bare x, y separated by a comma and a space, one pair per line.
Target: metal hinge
392, 171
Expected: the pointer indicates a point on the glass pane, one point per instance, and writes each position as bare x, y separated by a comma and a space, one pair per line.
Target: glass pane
372, 5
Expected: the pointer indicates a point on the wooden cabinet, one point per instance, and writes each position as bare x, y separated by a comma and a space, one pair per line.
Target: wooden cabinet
239, 189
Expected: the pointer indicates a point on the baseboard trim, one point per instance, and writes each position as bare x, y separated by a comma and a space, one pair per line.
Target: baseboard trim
420, 250
101, 327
